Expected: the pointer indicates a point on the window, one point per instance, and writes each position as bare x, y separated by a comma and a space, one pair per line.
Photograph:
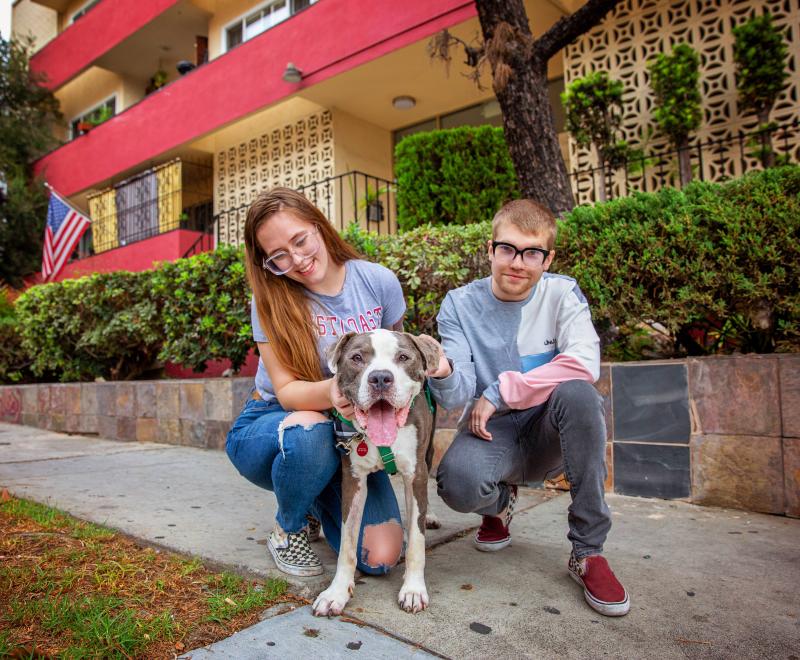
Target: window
83, 10
95, 116
261, 20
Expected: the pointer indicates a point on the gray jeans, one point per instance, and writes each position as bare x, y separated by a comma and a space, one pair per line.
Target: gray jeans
566, 433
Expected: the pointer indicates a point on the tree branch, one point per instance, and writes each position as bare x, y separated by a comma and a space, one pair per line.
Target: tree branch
569, 28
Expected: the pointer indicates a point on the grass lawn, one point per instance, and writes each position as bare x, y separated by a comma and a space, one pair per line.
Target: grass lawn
73, 589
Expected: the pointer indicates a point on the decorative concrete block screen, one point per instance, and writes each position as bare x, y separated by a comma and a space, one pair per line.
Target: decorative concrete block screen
637, 30
722, 430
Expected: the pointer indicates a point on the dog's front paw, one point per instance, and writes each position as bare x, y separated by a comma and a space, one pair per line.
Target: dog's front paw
332, 601
413, 598
432, 522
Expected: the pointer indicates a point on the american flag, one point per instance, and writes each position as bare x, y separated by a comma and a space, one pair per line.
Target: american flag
65, 226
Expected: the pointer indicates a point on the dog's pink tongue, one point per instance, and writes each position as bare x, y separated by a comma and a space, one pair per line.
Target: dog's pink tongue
382, 424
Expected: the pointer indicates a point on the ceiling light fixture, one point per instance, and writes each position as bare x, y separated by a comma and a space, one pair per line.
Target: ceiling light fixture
404, 102
292, 74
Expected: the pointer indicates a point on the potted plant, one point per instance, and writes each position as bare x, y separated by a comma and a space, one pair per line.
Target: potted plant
372, 203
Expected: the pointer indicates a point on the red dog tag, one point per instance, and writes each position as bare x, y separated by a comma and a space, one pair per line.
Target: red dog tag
362, 448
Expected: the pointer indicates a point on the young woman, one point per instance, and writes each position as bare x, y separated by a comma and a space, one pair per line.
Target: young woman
309, 288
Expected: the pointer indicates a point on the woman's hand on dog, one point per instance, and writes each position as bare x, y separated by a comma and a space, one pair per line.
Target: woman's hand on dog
342, 405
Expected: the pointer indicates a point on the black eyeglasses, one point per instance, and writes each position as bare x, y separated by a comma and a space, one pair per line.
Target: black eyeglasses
505, 253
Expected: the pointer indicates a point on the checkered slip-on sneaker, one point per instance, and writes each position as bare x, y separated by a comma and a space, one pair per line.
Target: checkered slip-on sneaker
601, 588
313, 528
494, 534
293, 554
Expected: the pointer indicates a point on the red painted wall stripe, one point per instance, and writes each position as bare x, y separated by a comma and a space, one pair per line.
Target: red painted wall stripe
330, 37
104, 26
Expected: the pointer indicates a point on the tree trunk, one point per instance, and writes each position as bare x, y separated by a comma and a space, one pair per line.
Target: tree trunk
765, 138
527, 116
601, 169
684, 162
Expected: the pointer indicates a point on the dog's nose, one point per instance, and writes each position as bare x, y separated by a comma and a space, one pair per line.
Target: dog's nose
381, 379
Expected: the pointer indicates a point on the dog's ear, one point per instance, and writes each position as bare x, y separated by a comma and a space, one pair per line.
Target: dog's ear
335, 351
428, 348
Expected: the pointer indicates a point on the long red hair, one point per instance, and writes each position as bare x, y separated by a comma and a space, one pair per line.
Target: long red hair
281, 303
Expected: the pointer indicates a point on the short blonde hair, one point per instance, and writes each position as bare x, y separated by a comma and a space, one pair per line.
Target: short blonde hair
528, 216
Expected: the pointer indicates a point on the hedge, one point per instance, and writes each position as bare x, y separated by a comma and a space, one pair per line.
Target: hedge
453, 177
715, 267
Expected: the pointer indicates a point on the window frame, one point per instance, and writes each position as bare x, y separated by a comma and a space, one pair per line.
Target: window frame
82, 116
241, 21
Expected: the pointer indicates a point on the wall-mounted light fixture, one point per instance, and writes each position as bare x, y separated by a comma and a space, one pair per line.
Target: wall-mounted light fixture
292, 74
404, 102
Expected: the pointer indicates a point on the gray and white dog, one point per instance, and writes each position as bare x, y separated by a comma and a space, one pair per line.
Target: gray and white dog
382, 373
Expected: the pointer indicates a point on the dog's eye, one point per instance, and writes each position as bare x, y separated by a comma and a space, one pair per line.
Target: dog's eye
356, 357
403, 357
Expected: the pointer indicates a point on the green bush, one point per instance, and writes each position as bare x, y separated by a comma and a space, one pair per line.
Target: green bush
717, 265
206, 308
453, 177
14, 362
104, 325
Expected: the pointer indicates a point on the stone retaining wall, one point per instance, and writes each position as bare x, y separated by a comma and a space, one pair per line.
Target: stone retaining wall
720, 430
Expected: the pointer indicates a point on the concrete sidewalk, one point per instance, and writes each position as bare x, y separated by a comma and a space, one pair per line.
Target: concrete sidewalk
704, 582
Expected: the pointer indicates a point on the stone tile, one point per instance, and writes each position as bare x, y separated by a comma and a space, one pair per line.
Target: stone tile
447, 419
58, 399
603, 386
742, 472
191, 398
147, 429
106, 395
73, 398
43, 421
218, 399
216, 433
651, 470
735, 395
442, 439
73, 423
88, 424
126, 428
609, 485
57, 422
89, 399
169, 431
107, 427
193, 434
126, 400
43, 399
30, 418
791, 475
167, 400
650, 403
789, 367
145, 399
30, 399
240, 392
11, 405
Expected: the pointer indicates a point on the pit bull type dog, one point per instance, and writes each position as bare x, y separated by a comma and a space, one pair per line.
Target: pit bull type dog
382, 374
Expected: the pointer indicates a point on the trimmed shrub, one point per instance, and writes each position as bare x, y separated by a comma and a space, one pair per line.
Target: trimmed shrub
14, 362
105, 325
206, 308
453, 177
717, 265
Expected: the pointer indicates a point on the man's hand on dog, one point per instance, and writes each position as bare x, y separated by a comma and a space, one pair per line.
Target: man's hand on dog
342, 405
481, 412
442, 370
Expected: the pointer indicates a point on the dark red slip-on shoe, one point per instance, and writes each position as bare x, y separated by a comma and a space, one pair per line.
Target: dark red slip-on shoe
493, 534
601, 589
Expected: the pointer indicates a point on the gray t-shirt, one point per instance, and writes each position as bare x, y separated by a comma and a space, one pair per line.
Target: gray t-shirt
371, 298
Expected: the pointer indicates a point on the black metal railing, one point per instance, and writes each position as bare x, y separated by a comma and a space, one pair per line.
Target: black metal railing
709, 160
370, 201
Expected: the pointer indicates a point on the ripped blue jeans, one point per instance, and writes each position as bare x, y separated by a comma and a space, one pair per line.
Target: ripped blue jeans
302, 466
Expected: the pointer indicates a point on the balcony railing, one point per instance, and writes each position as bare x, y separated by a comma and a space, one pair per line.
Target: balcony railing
367, 200
710, 160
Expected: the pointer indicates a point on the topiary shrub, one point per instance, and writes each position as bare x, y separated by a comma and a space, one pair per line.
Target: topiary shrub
105, 325
453, 177
206, 308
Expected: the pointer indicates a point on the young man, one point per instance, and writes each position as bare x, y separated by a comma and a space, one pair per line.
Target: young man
521, 349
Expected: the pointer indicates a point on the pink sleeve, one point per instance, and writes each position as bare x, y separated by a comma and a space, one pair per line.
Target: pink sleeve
527, 390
